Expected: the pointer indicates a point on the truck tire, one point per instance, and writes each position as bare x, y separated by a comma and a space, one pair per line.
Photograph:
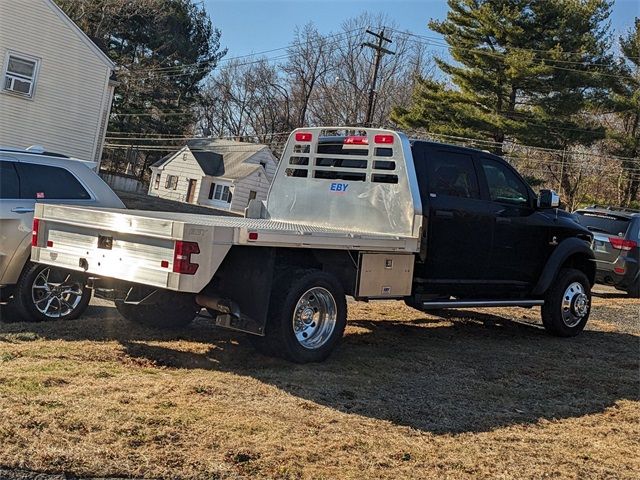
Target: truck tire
307, 317
567, 304
170, 310
45, 293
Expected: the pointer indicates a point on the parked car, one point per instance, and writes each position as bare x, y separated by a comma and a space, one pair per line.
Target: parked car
27, 177
369, 214
616, 243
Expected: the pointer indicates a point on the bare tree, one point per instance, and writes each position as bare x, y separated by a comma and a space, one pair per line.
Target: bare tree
308, 62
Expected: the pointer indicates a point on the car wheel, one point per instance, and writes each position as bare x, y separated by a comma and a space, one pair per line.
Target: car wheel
170, 310
307, 317
567, 304
46, 293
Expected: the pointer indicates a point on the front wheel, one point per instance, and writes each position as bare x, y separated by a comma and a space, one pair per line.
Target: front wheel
46, 293
169, 310
567, 304
307, 317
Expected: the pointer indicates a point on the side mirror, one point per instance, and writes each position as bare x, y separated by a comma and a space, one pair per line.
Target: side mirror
548, 199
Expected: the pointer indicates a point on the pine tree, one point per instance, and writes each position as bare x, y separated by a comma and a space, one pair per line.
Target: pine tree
163, 49
624, 102
523, 70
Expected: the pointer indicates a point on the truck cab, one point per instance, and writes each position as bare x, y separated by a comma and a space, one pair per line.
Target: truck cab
485, 234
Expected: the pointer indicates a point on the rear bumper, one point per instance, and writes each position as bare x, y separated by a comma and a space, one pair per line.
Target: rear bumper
609, 274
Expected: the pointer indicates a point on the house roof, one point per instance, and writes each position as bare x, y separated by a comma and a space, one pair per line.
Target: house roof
83, 36
220, 158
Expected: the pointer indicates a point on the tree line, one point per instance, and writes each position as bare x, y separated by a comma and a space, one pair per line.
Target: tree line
546, 84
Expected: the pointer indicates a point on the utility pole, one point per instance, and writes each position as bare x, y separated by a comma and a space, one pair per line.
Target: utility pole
380, 51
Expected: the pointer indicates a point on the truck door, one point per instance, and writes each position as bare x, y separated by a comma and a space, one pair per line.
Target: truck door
458, 222
520, 247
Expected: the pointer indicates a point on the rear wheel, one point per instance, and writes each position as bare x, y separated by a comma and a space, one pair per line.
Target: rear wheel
307, 317
169, 310
45, 293
567, 304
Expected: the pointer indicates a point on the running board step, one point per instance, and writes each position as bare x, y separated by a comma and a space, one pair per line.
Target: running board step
481, 303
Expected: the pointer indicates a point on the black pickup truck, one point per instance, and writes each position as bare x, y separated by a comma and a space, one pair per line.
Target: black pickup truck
351, 211
490, 241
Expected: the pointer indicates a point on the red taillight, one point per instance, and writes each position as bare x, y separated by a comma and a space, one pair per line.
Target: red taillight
182, 257
303, 136
356, 140
384, 139
34, 232
619, 270
253, 235
164, 264
622, 244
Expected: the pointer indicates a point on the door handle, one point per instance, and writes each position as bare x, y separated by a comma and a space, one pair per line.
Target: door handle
444, 214
23, 210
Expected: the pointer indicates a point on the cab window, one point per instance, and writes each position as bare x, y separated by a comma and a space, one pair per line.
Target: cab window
452, 174
504, 185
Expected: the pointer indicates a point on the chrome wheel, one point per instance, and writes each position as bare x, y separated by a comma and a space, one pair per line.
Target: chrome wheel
575, 304
314, 318
55, 294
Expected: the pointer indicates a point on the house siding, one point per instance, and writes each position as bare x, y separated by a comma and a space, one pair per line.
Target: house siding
266, 156
184, 169
257, 181
68, 104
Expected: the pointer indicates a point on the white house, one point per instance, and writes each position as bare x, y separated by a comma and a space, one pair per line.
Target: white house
56, 84
219, 173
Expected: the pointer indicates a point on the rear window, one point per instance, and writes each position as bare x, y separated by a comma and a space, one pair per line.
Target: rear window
47, 182
603, 223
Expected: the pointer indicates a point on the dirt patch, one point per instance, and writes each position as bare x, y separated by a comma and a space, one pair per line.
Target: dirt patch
471, 394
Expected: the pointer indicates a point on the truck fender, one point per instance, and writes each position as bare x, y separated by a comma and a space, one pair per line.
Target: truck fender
567, 248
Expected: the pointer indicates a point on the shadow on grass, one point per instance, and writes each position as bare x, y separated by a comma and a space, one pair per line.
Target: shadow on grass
461, 371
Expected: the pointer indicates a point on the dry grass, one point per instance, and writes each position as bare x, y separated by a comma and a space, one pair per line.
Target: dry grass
408, 395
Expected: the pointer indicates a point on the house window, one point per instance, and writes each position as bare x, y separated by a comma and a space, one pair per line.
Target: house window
20, 74
171, 183
157, 181
252, 195
220, 192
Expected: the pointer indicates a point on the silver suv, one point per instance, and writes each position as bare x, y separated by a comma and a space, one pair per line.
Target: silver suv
33, 291
616, 244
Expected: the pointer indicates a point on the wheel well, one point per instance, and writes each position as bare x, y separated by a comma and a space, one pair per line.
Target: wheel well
339, 263
583, 263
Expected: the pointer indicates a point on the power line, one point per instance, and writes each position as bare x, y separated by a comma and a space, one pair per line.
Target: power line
441, 43
135, 74
500, 57
228, 59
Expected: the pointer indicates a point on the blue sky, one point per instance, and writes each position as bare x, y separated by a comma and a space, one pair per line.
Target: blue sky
250, 26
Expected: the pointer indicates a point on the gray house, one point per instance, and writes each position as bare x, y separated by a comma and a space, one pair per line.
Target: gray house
224, 174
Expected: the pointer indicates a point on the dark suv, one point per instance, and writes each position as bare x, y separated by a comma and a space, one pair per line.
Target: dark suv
616, 235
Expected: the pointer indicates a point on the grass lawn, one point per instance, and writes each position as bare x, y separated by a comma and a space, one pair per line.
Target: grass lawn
407, 395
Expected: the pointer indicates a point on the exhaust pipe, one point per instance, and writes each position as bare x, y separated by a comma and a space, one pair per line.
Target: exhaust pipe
219, 304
